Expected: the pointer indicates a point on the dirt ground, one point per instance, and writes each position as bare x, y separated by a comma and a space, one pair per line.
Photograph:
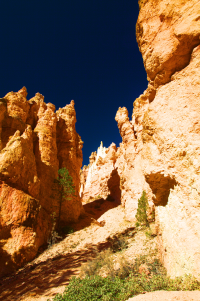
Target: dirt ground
51, 271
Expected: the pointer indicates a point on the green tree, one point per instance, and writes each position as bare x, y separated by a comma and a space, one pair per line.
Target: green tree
67, 188
141, 215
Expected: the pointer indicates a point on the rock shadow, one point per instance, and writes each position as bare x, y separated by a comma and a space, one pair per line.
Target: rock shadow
114, 187
96, 208
37, 279
160, 186
7, 265
93, 211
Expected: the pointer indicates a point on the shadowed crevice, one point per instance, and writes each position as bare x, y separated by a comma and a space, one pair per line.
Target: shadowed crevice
114, 186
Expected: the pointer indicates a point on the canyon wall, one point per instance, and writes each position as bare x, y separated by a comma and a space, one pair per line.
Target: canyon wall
160, 150
34, 143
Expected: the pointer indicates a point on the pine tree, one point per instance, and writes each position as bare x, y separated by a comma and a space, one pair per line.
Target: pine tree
67, 188
141, 215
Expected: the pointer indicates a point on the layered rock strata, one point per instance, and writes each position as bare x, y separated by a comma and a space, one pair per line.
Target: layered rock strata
160, 149
34, 143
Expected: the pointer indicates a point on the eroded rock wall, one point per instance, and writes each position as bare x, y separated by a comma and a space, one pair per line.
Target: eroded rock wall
160, 150
102, 178
69, 146
35, 141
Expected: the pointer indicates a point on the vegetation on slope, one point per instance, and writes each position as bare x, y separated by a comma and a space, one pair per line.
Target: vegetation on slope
110, 276
120, 288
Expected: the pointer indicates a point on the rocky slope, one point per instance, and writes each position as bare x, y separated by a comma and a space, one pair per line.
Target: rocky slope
63, 260
160, 149
34, 143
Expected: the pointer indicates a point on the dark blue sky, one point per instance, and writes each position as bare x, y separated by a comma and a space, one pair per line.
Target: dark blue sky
84, 50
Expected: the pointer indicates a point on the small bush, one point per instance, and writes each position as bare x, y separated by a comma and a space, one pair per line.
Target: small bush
93, 267
67, 230
149, 234
105, 264
93, 288
141, 214
67, 189
119, 243
156, 268
125, 268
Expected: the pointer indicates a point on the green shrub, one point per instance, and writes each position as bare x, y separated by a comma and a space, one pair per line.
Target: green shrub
95, 288
123, 283
141, 214
67, 189
67, 230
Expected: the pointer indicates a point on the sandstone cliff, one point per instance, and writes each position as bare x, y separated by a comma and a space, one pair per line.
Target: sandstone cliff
161, 144
160, 149
34, 143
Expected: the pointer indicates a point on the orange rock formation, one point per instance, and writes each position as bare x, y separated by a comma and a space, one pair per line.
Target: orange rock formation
160, 149
34, 143
161, 145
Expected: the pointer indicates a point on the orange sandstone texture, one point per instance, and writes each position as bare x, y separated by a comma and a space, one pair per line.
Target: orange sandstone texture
34, 143
69, 146
160, 149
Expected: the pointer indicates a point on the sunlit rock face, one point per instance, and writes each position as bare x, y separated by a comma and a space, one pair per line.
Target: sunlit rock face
69, 145
34, 143
160, 149
102, 176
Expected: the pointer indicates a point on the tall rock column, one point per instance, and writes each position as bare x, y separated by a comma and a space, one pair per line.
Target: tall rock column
70, 145
45, 150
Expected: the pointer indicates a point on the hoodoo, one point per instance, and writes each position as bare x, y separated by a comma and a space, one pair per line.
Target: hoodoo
34, 143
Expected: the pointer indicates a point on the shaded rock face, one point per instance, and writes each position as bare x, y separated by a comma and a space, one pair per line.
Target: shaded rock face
34, 143
83, 179
160, 149
102, 178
